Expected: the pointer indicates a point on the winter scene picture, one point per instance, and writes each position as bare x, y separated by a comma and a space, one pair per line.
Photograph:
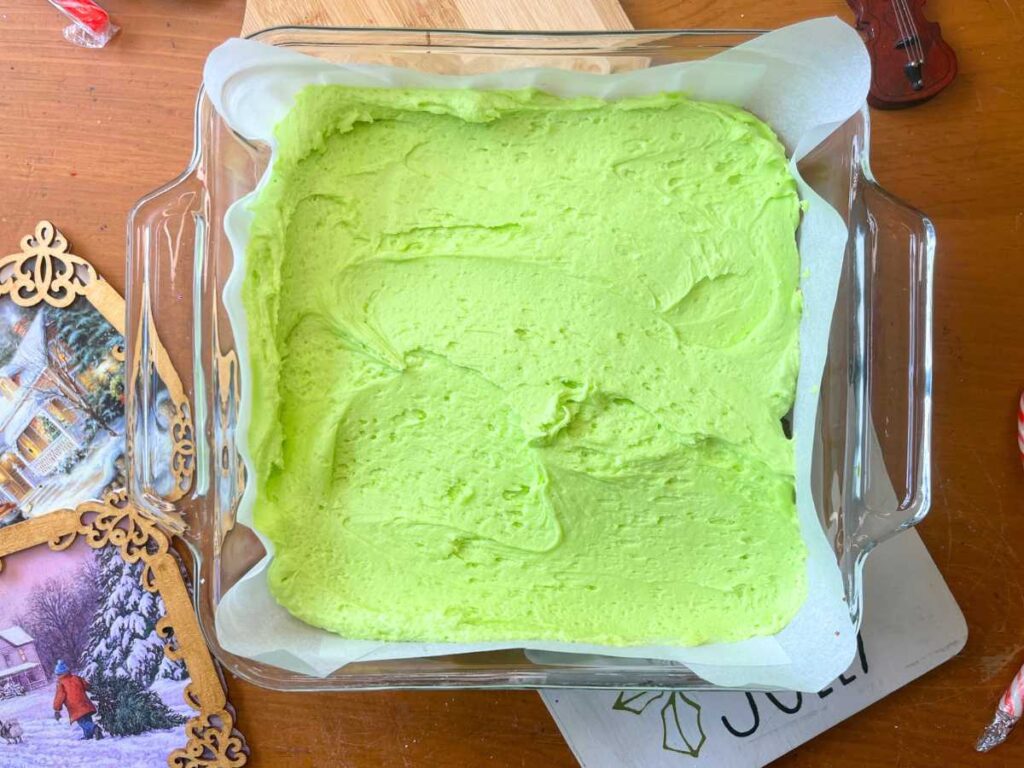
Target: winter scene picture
83, 676
61, 408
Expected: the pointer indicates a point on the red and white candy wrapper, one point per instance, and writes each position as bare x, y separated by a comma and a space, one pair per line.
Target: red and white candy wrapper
1020, 426
90, 24
1011, 706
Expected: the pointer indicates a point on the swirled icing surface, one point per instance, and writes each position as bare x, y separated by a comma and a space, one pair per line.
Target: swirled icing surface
518, 365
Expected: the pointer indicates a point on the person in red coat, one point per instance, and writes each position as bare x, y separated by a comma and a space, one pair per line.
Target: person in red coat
72, 692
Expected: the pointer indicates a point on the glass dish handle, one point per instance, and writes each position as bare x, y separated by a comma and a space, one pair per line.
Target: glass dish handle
895, 256
164, 242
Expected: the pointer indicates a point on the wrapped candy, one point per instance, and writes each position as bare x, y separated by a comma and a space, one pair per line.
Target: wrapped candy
1020, 426
90, 23
1011, 705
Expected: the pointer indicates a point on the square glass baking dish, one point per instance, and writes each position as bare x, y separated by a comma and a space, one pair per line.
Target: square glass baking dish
876, 391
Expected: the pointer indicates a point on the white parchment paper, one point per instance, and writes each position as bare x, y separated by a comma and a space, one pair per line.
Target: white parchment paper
804, 81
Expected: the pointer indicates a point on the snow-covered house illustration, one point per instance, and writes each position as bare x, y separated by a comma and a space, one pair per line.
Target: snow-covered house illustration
19, 661
39, 427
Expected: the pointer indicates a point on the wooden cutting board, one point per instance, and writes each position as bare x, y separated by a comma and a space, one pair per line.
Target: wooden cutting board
550, 15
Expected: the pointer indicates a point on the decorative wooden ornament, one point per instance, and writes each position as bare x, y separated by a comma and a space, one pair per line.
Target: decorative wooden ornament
210, 739
46, 271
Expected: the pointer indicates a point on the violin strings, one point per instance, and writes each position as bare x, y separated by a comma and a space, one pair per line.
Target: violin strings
904, 34
913, 28
902, 30
908, 29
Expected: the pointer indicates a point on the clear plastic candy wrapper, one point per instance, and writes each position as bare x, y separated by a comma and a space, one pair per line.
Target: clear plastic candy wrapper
90, 25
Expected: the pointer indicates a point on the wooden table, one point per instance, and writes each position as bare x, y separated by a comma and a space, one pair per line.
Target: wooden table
84, 133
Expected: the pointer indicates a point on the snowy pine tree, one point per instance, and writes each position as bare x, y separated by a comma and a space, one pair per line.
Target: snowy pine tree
126, 708
123, 641
172, 670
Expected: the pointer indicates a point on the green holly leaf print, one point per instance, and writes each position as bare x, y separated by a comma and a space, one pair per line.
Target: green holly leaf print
681, 727
636, 701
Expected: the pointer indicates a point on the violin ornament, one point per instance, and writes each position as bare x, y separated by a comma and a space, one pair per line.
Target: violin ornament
910, 61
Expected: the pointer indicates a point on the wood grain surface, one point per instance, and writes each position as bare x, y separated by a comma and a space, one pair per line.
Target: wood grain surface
84, 133
444, 14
